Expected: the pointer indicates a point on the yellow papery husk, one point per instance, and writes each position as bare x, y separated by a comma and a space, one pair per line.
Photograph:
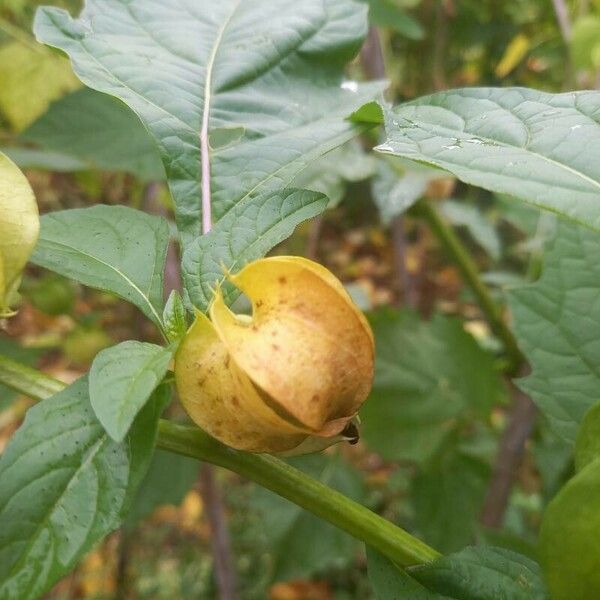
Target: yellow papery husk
300, 367
19, 230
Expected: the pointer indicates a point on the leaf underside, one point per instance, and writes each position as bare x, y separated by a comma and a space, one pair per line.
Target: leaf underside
536, 146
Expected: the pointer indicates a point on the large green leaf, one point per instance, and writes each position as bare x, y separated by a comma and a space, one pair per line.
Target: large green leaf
265, 78
248, 232
112, 248
96, 130
471, 574
539, 147
557, 324
122, 379
448, 497
483, 574
428, 375
569, 546
65, 485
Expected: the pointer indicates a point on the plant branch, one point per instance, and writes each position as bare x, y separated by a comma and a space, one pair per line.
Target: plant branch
268, 471
466, 265
521, 422
219, 538
373, 64
564, 22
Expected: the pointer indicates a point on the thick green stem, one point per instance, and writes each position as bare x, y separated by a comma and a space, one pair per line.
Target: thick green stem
468, 268
268, 471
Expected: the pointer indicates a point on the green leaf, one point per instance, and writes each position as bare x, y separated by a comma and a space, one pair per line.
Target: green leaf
65, 485
557, 324
448, 497
27, 356
512, 140
31, 76
272, 68
246, 233
483, 574
585, 42
387, 13
174, 317
111, 248
122, 379
587, 444
479, 227
169, 478
300, 543
569, 549
391, 583
428, 376
98, 131
335, 170
397, 187
472, 574
31, 158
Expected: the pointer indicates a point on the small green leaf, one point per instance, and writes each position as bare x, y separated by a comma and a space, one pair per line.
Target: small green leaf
397, 187
557, 324
65, 485
122, 379
479, 227
175, 317
387, 13
111, 248
510, 140
331, 174
585, 41
569, 546
99, 131
248, 232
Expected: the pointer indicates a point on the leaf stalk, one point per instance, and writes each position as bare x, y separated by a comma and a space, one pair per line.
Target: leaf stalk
470, 273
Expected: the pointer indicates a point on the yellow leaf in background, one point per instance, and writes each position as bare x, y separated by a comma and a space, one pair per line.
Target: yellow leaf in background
301, 366
515, 52
19, 228
31, 78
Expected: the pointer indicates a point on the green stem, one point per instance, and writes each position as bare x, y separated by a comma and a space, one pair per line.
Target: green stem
470, 272
268, 471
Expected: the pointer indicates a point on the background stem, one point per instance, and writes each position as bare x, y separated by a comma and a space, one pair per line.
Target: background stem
470, 272
219, 539
371, 57
268, 471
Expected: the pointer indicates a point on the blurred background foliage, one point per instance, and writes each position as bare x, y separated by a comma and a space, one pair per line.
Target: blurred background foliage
431, 428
